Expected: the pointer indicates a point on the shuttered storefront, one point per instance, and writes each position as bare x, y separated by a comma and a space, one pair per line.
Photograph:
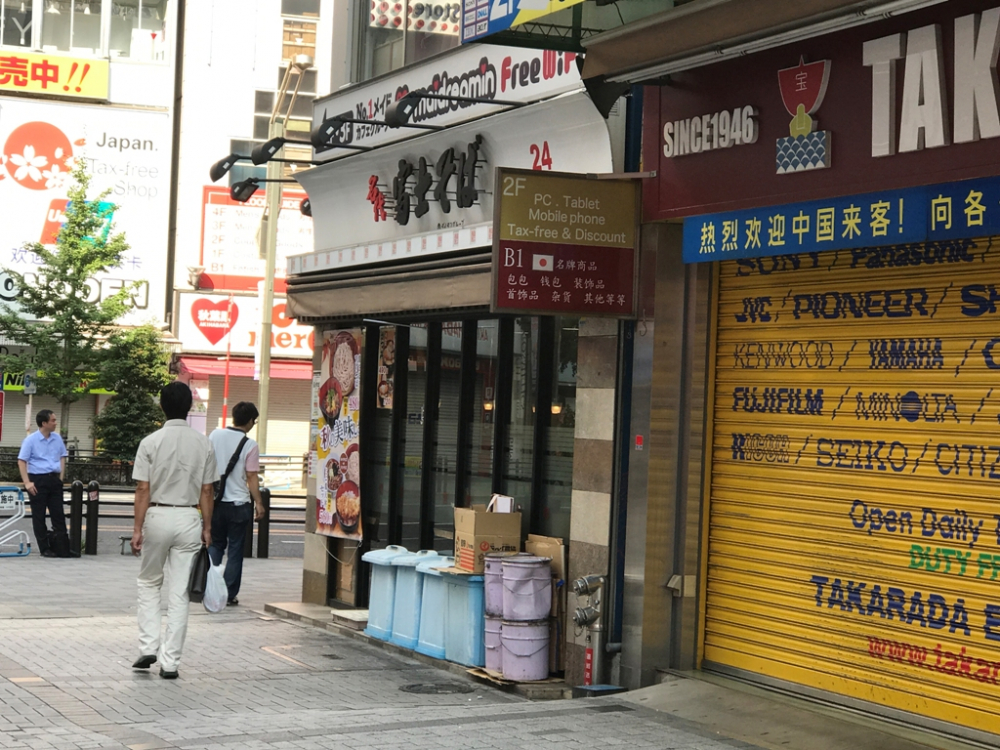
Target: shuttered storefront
288, 411
854, 539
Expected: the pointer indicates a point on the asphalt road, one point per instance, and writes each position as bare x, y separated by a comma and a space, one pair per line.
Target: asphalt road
286, 536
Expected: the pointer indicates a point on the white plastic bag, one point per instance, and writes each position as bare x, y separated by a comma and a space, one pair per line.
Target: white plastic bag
216, 593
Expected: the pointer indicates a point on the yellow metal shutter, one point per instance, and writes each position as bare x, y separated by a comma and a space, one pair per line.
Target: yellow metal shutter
854, 538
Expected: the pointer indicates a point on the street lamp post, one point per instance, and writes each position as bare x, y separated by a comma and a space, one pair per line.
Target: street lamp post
269, 236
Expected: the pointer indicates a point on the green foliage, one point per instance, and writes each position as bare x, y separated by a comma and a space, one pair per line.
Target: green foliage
53, 315
135, 368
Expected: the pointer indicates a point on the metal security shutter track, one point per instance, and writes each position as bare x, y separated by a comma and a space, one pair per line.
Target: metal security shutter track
854, 539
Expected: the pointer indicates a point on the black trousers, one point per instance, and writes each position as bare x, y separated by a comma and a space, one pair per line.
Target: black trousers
49, 496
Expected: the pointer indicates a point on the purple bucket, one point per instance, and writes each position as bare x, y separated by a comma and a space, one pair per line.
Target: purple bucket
494, 658
525, 649
527, 588
493, 575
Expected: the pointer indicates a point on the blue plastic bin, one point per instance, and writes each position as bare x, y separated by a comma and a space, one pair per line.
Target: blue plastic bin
433, 607
383, 590
406, 605
465, 625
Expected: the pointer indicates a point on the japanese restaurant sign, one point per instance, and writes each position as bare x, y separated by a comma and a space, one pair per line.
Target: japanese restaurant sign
564, 244
42, 73
930, 213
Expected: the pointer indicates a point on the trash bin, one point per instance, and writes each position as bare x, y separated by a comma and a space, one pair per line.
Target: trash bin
382, 592
433, 607
465, 624
406, 605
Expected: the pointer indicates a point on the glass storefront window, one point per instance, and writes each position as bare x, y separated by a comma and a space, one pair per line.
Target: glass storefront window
557, 486
519, 451
413, 427
446, 436
378, 449
478, 484
393, 34
16, 19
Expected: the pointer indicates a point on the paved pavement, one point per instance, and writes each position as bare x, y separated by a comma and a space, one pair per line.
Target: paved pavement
248, 680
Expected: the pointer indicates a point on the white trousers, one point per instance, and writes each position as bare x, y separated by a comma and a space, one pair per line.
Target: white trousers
171, 537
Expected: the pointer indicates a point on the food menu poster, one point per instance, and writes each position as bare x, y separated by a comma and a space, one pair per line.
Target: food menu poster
386, 366
338, 399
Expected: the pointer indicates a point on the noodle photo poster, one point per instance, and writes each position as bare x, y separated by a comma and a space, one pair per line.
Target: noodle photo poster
338, 486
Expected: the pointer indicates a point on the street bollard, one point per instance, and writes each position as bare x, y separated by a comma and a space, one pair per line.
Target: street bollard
75, 517
248, 539
93, 509
264, 525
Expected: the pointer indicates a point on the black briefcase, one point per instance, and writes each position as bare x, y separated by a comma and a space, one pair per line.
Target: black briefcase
199, 575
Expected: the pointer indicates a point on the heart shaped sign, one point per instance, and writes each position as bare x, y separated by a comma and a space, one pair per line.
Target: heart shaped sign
211, 318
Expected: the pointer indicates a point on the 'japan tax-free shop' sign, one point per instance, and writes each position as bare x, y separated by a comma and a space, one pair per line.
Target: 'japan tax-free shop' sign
564, 244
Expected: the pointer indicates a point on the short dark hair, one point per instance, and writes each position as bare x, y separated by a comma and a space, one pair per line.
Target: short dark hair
43, 416
244, 413
175, 400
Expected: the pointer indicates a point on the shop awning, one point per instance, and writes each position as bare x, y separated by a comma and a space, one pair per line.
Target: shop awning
708, 27
286, 369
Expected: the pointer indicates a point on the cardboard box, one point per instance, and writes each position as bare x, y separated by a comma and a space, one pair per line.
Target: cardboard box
478, 532
550, 546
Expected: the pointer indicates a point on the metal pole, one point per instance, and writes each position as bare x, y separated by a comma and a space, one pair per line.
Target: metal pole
248, 539
93, 512
229, 341
264, 525
268, 240
75, 517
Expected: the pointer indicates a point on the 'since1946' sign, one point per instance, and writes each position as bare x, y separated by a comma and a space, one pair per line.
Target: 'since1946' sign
564, 244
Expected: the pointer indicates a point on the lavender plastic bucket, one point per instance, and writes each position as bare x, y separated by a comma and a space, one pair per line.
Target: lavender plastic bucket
494, 655
527, 588
493, 582
525, 650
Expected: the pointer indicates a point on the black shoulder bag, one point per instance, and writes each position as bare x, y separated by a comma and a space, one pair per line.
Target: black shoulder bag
220, 486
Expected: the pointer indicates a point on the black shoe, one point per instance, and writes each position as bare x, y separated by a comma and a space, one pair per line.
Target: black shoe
49, 553
144, 662
168, 675
232, 602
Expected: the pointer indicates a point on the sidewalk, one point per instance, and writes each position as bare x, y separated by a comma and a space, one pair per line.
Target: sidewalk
251, 680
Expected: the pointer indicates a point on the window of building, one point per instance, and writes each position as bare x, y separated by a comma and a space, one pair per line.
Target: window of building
393, 34
16, 23
123, 29
481, 406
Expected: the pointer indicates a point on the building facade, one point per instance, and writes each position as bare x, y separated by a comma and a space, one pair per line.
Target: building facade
94, 81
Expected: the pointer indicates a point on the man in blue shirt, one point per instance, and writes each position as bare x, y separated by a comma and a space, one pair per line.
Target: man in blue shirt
42, 462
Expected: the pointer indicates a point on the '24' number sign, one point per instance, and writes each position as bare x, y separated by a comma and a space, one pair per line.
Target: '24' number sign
542, 156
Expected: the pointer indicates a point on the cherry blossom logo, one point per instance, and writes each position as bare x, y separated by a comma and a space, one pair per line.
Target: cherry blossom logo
38, 156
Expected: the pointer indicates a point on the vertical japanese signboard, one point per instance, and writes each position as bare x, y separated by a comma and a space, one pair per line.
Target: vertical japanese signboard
338, 486
564, 244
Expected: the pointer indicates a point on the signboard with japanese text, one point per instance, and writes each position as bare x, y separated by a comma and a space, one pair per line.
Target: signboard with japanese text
435, 194
829, 116
127, 152
230, 250
565, 244
55, 75
932, 213
338, 486
212, 323
481, 18
386, 366
488, 72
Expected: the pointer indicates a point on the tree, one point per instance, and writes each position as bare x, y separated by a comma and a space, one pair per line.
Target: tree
54, 315
135, 368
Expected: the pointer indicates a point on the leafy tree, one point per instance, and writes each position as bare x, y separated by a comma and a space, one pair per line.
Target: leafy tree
135, 368
53, 315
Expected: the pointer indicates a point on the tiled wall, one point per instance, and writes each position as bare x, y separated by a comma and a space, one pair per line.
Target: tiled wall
593, 458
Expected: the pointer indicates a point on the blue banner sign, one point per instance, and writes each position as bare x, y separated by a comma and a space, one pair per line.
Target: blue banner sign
481, 18
955, 210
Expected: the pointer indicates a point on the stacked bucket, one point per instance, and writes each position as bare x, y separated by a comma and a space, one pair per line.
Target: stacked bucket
518, 601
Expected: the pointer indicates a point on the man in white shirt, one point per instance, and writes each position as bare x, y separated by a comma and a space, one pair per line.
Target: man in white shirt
233, 510
175, 472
